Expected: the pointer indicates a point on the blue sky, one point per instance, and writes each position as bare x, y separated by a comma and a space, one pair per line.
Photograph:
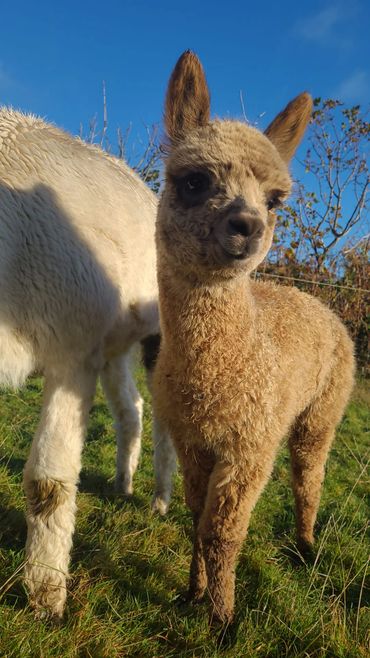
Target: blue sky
54, 56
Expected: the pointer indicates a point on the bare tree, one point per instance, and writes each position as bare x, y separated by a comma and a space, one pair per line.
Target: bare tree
331, 202
143, 157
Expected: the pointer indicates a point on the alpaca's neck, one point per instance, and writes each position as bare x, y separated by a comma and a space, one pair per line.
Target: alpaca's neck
199, 317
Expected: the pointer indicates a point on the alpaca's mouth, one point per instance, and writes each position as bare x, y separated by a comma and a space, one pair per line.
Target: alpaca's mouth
235, 256
226, 257
226, 254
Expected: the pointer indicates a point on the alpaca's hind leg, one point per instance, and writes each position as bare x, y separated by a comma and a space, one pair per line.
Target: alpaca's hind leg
126, 405
50, 479
165, 463
309, 446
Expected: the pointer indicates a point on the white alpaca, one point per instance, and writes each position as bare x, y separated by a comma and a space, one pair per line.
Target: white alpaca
77, 289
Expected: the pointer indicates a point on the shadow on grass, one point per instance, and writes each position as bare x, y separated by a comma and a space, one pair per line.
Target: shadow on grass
13, 533
131, 577
15, 465
95, 483
12, 527
16, 596
98, 485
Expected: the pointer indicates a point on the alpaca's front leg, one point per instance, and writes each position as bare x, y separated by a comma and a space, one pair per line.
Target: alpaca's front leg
196, 467
50, 482
232, 494
198, 574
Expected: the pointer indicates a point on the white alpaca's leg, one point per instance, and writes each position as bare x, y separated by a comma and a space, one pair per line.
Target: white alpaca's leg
50, 481
165, 461
165, 464
127, 406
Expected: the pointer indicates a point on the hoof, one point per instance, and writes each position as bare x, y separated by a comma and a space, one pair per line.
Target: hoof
159, 505
46, 607
187, 598
47, 616
228, 635
123, 485
47, 592
226, 627
181, 599
306, 551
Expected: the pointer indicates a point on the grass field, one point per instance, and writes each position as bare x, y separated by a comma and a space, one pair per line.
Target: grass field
128, 565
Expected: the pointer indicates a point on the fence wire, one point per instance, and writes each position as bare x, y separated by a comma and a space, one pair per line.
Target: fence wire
312, 282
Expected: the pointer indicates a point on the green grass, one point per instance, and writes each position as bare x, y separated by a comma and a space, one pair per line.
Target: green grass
128, 565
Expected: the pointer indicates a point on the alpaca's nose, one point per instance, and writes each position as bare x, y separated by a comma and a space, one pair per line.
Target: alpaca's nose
242, 224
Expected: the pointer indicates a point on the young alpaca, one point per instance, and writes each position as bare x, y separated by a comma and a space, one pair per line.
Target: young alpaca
77, 289
242, 363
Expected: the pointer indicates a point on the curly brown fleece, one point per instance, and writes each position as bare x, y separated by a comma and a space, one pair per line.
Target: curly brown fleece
242, 364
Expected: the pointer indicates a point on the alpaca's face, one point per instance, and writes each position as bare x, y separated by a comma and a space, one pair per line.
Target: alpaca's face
223, 179
217, 211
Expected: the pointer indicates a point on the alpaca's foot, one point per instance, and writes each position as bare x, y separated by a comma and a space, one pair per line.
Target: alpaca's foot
160, 504
221, 614
306, 550
221, 618
47, 591
189, 598
228, 635
123, 484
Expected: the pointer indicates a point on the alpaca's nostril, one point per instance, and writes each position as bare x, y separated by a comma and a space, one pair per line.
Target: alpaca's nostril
238, 227
247, 227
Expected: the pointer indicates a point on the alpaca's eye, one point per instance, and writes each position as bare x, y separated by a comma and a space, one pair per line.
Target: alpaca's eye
273, 201
193, 189
196, 183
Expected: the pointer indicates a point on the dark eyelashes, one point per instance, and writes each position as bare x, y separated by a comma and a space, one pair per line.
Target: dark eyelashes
274, 200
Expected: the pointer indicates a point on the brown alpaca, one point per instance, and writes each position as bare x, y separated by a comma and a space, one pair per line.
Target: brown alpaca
242, 364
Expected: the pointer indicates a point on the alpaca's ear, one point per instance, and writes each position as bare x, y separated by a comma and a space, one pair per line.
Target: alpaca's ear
187, 100
287, 129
